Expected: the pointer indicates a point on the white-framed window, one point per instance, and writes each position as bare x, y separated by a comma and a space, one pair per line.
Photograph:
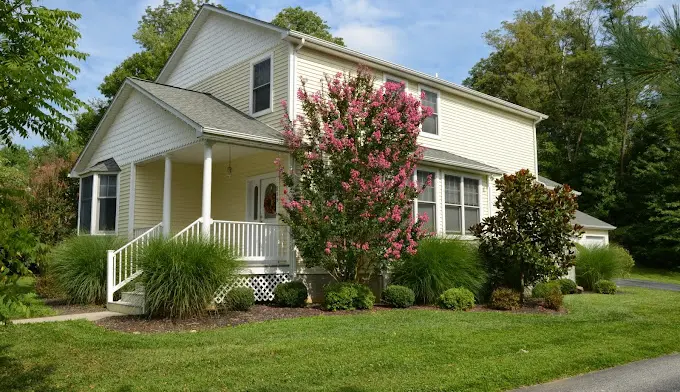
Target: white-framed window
430, 98
462, 202
261, 81
98, 207
394, 79
427, 200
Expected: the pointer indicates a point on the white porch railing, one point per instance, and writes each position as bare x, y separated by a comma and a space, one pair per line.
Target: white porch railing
191, 232
267, 243
122, 266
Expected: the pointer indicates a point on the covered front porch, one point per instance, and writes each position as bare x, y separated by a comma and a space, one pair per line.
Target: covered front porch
227, 192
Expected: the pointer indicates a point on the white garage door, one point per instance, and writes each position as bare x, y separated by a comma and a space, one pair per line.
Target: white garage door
593, 240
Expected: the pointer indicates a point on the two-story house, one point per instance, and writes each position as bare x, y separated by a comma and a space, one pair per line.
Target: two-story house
192, 153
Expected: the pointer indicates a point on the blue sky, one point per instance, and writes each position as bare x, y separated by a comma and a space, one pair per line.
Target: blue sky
435, 36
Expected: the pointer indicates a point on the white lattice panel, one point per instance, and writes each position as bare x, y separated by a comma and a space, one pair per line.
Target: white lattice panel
262, 285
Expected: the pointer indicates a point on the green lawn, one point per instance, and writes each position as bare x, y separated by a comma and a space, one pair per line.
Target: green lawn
34, 306
381, 351
655, 274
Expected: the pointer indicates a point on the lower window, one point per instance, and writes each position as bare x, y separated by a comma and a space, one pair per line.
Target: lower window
102, 188
461, 204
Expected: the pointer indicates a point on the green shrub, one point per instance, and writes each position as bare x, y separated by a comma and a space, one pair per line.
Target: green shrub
543, 288
504, 299
347, 296
291, 294
601, 262
47, 286
553, 298
439, 265
239, 298
458, 298
605, 287
398, 296
567, 286
180, 278
79, 266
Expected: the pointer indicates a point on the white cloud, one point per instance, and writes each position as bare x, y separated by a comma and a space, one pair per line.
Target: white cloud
379, 41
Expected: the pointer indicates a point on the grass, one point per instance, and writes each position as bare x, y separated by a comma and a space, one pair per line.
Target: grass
34, 305
373, 351
655, 274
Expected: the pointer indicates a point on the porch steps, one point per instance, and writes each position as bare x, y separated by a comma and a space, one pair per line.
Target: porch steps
131, 302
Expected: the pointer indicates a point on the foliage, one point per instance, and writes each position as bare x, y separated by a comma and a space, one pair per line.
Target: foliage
504, 298
553, 298
87, 121
439, 265
37, 48
398, 296
240, 299
305, 21
349, 197
605, 287
181, 278
47, 286
79, 265
457, 298
347, 296
530, 239
601, 262
542, 289
567, 286
291, 294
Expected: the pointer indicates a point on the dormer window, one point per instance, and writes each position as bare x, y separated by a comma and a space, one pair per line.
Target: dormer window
261, 94
431, 99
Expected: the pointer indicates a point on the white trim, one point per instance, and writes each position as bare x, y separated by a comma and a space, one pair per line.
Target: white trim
437, 135
167, 196
206, 193
489, 188
94, 217
480, 205
292, 60
115, 220
253, 62
131, 202
255, 180
390, 76
80, 197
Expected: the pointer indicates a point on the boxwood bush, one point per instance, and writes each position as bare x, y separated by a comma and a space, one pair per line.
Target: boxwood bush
239, 298
291, 294
439, 265
605, 287
542, 289
348, 296
458, 298
180, 278
553, 298
504, 299
78, 265
567, 286
601, 262
398, 296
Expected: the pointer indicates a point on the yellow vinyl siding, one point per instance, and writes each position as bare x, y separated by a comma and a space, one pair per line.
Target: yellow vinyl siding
149, 194
187, 188
123, 200
229, 193
233, 85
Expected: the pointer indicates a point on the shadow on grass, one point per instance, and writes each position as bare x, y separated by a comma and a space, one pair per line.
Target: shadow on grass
14, 376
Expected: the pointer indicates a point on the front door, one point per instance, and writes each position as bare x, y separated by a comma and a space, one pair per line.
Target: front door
268, 197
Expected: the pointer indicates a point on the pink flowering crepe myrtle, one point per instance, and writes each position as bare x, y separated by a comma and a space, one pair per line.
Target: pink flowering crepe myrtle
349, 197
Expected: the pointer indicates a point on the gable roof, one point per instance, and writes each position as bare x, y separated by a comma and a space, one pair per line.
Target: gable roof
105, 166
447, 158
590, 222
203, 112
329, 47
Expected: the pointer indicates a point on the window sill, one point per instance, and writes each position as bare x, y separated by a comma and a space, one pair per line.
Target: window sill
262, 112
430, 135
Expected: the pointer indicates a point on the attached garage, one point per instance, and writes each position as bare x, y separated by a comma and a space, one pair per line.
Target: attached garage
596, 232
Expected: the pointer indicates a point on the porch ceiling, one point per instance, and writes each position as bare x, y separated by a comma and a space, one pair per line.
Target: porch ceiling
194, 153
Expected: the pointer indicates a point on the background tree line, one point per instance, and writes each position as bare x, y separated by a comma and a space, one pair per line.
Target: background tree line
609, 81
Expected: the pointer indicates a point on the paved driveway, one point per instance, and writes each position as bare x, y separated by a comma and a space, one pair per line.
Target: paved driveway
653, 375
648, 284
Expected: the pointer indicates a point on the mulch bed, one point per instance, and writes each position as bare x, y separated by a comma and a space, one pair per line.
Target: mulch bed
258, 313
62, 307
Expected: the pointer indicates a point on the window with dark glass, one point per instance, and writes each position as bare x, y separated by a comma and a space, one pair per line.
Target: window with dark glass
427, 203
452, 204
86, 204
107, 202
389, 79
256, 204
262, 85
430, 100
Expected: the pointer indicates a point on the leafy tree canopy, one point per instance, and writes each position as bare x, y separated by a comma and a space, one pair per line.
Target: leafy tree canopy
305, 21
37, 51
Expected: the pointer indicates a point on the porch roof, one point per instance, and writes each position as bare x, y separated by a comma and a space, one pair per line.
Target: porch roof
105, 166
209, 113
447, 158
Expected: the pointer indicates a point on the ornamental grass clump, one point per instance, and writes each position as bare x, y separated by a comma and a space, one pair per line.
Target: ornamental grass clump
78, 265
602, 262
181, 278
439, 265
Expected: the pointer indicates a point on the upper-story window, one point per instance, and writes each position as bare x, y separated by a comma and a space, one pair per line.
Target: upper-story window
261, 94
393, 79
431, 99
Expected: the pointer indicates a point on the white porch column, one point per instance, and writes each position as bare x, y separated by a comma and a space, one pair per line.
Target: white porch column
207, 189
167, 197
